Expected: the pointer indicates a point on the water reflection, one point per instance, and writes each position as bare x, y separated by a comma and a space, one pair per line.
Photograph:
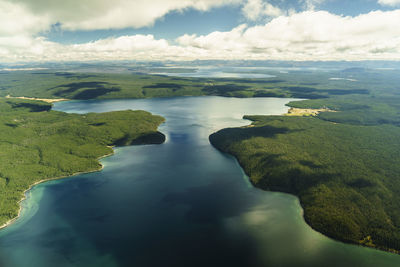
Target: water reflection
181, 203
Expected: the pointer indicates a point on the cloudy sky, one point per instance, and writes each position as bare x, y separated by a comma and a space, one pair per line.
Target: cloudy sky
82, 30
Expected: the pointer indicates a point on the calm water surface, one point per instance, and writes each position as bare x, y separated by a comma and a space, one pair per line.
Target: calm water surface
181, 203
225, 72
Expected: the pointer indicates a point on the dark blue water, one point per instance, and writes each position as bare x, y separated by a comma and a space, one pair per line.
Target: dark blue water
181, 203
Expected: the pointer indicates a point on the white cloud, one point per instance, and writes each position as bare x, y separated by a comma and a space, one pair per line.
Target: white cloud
215, 40
17, 20
312, 4
106, 14
309, 35
389, 2
257, 9
22, 20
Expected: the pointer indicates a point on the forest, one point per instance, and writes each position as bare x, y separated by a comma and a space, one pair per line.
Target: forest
82, 86
343, 164
37, 143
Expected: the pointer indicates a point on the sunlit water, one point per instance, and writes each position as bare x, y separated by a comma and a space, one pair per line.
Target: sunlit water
182, 203
225, 72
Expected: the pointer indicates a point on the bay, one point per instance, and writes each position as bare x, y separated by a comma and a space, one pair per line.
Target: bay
182, 203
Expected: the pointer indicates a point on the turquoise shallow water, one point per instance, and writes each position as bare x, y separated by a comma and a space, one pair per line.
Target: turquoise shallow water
182, 203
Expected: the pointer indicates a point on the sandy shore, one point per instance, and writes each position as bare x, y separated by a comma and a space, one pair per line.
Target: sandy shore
306, 111
48, 100
11, 221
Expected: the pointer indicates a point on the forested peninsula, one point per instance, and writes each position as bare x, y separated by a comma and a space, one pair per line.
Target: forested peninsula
39, 144
343, 165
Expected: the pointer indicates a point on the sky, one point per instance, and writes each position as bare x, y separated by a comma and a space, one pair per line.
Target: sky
100, 30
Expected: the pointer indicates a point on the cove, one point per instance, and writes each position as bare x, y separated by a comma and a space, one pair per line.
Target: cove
182, 203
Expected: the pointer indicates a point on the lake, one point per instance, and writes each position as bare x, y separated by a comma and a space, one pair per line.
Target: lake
182, 203
220, 72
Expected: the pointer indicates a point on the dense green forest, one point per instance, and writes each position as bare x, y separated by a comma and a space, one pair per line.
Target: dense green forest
343, 165
37, 143
309, 85
347, 176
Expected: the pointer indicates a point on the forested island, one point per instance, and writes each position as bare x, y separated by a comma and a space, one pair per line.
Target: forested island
38, 144
343, 165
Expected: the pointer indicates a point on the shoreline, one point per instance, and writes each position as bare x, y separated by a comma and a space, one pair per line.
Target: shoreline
47, 100
302, 213
311, 112
24, 197
301, 113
